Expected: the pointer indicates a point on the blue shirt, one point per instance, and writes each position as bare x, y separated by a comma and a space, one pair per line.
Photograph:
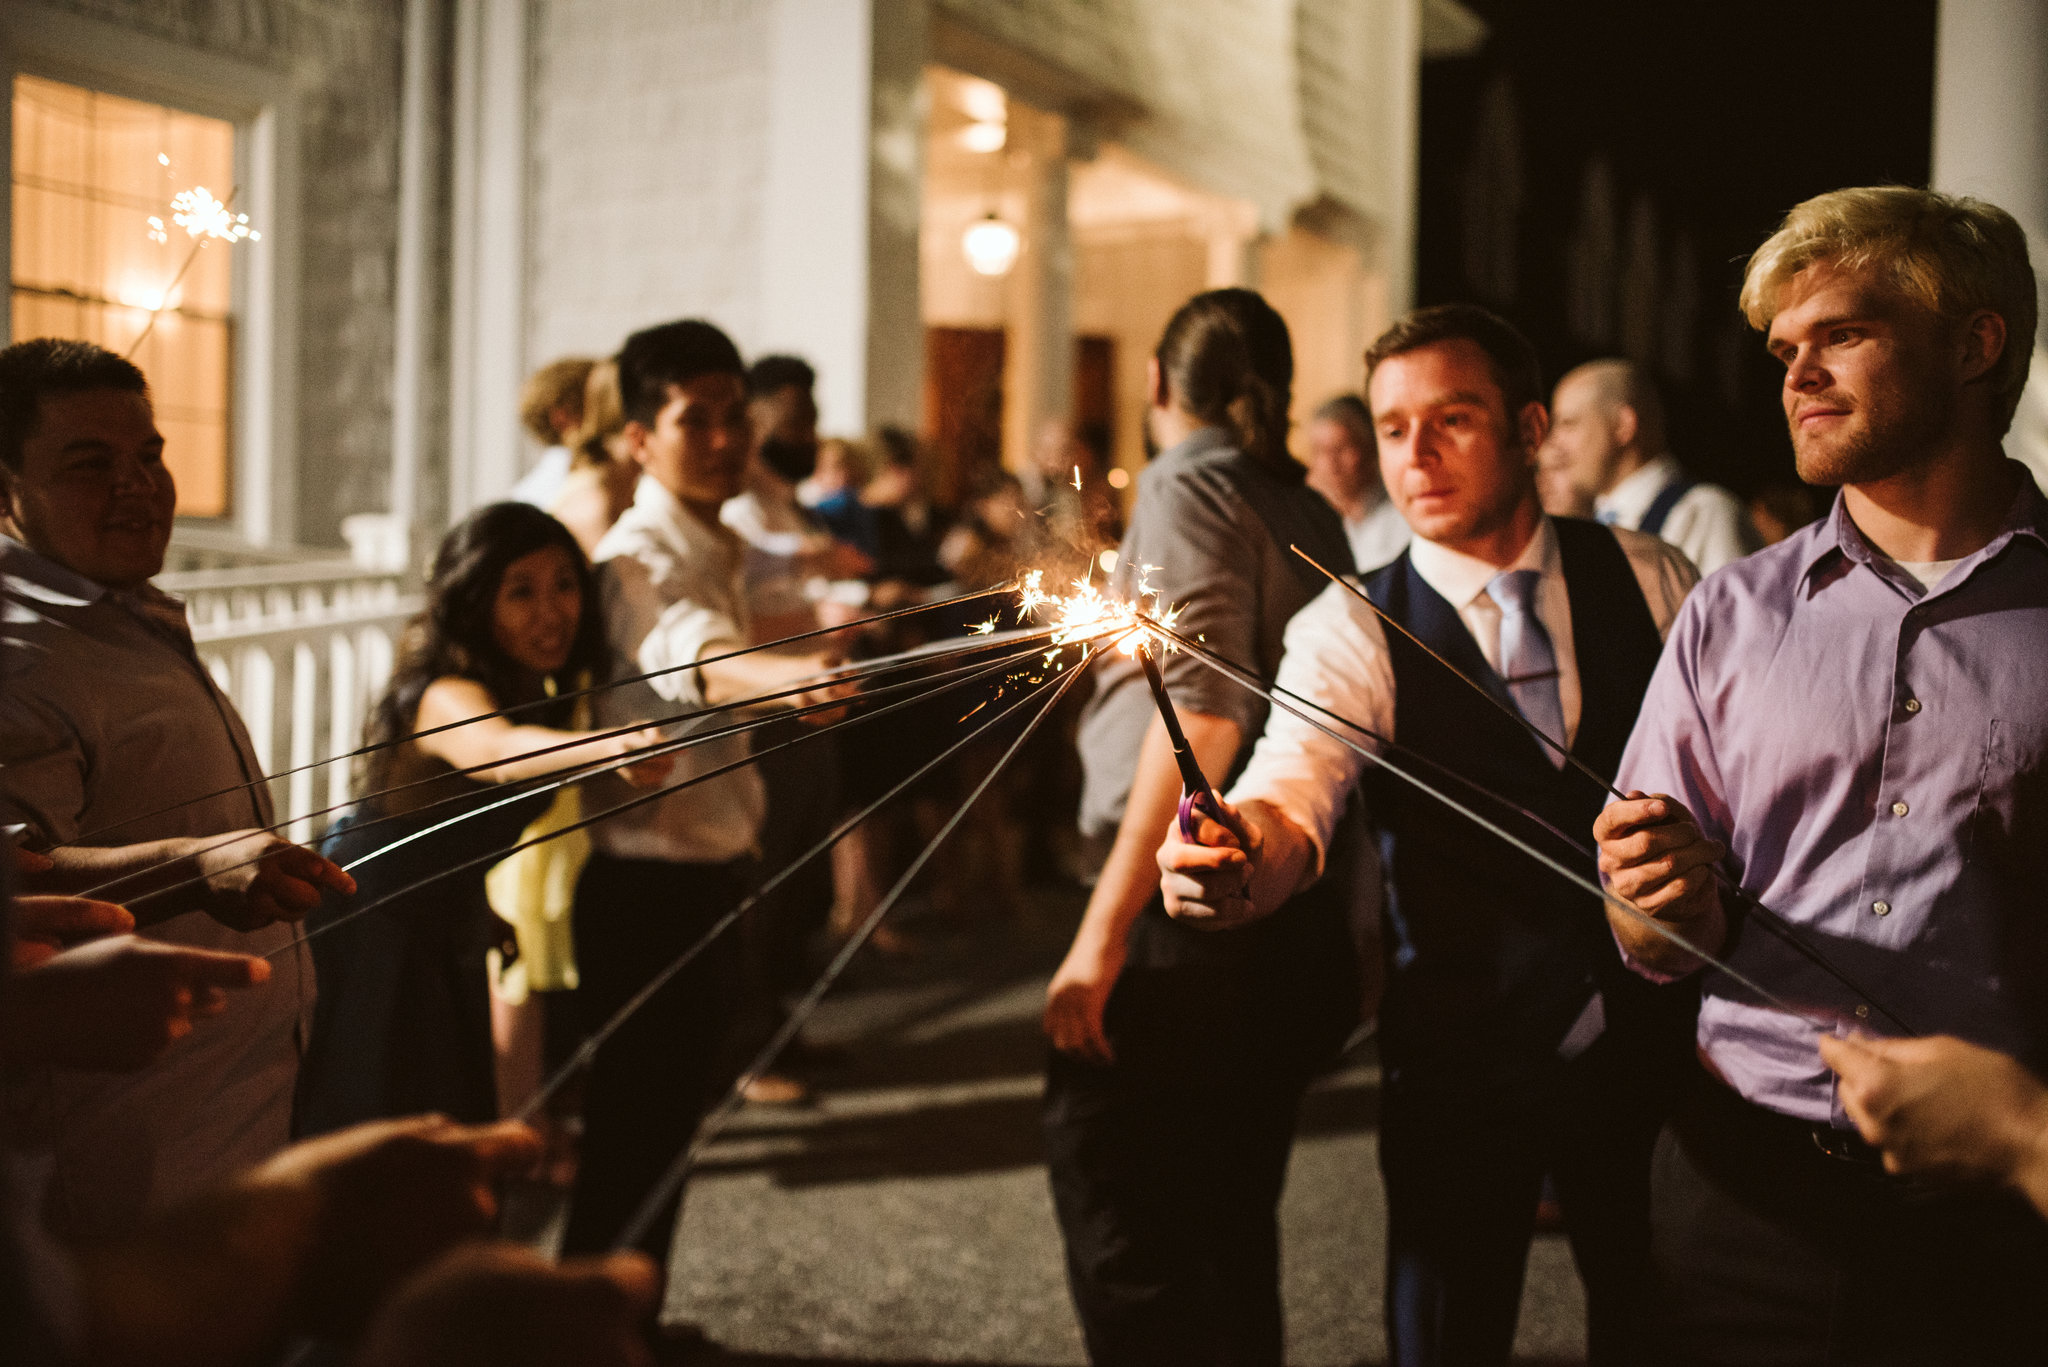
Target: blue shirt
1875, 755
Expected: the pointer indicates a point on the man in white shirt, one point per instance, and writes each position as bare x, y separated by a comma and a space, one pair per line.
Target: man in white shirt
125, 761
1344, 467
1514, 1042
662, 873
1607, 438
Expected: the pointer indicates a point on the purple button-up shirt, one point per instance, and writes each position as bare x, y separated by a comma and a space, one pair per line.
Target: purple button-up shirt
1875, 755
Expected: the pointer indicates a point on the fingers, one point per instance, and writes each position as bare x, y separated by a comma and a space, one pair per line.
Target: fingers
219, 970
68, 920
1636, 810
634, 1275
28, 862
509, 1148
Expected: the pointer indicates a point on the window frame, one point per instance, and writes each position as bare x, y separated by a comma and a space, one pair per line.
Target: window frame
258, 101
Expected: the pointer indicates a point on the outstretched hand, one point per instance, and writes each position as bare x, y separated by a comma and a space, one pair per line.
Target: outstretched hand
118, 1003
1946, 1108
498, 1305
383, 1199
1207, 881
45, 926
262, 878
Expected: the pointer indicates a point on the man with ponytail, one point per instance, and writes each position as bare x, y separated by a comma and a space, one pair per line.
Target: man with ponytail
1180, 1057
1513, 1041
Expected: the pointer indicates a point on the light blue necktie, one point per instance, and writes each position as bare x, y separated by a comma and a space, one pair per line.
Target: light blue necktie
1528, 663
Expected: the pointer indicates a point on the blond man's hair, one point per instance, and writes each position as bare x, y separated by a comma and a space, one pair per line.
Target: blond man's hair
1951, 254
558, 384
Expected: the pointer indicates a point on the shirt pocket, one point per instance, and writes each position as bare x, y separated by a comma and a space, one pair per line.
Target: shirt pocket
2008, 834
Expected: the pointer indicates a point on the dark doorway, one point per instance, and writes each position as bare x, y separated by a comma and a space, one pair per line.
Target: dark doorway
963, 408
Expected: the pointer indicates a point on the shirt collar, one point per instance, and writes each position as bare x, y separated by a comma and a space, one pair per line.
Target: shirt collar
1462, 578
1631, 498
38, 571
1200, 442
1838, 536
667, 514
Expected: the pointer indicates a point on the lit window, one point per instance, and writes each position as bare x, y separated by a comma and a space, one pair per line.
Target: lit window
98, 254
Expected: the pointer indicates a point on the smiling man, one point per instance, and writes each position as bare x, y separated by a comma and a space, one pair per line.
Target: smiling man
1858, 717
1513, 1040
674, 593
112, 732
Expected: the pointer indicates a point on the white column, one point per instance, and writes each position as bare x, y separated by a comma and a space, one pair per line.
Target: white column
487, 289
1991, 141
1038, 362
838, 262
419, 141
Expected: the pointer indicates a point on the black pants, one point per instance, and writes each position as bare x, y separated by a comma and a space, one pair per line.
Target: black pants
653, 1081
1464, 1153
1770, 1253
1168, 1200
1167, 1167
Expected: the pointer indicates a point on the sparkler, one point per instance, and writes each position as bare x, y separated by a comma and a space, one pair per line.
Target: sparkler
1197, 798
205, 219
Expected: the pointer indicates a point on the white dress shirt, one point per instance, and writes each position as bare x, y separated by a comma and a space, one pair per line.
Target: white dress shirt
673, 594
1377, 535
1708, 523
1336, 657
106, 717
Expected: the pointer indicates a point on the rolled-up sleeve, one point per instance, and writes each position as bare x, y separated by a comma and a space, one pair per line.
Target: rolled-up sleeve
1336, 658
661, 626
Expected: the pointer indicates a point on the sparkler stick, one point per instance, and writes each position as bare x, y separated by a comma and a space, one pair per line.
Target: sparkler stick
679, 1171
582, 769
639, 800
1775, 925
519, 708
588, 1050
1197, 798
1572, 876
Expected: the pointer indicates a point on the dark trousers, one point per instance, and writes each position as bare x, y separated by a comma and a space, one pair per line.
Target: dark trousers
1464, 1155
1167, 1197
654, 1080
1770, 1253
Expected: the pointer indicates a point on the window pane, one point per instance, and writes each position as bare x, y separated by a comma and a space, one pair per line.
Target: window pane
90, 171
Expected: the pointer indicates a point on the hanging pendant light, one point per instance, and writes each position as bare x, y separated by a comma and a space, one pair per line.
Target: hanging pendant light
991, 246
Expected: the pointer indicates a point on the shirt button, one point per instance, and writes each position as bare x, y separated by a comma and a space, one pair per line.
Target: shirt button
1912, 706
1881, 908
1899, 809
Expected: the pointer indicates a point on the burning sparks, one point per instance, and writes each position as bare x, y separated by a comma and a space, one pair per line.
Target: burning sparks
1077, 479
984, 628
201, 215
1089, 612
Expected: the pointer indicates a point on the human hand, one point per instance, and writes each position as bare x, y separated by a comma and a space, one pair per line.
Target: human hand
651, 771
1076, 1000
839, 689
1945, 1107
383, 1199
118, 1003
1654, 856
28, 863
261, 878
1207, 882
498, 1305
44, 926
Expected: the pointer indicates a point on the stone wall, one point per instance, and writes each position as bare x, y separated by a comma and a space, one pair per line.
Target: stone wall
342, 57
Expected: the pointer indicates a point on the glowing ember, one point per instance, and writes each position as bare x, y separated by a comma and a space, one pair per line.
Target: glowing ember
1089, 613
1077, 479
201, 215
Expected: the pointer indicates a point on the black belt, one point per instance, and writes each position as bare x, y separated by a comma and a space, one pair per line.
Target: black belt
1719, 1104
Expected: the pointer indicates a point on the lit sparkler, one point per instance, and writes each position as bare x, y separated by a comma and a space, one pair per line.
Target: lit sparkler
201, 215
1091, 612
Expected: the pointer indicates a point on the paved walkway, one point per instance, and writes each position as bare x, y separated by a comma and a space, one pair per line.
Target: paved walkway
904, 1219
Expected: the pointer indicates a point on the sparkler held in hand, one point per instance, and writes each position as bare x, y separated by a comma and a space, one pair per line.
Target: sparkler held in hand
1197, 798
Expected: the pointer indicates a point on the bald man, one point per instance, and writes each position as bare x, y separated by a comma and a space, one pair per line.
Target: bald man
1607, 442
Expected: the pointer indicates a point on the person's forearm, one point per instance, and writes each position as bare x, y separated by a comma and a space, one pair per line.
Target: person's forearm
511, 751
1657, 957
751, 675
1130, 876
139, 874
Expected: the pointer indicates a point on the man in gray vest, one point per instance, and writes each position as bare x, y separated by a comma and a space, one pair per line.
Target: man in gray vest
1607, 437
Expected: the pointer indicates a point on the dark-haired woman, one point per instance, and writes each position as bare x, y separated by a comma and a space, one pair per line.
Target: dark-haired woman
402, 1022
1180, 1056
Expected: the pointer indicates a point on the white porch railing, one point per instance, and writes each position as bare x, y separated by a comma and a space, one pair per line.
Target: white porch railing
303, 648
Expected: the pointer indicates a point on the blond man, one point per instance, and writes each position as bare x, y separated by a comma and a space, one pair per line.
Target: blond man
1857, 718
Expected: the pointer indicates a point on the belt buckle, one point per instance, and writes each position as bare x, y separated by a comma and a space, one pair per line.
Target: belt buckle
1844, 1146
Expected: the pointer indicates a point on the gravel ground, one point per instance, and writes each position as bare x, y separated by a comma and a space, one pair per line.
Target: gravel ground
904, 1217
